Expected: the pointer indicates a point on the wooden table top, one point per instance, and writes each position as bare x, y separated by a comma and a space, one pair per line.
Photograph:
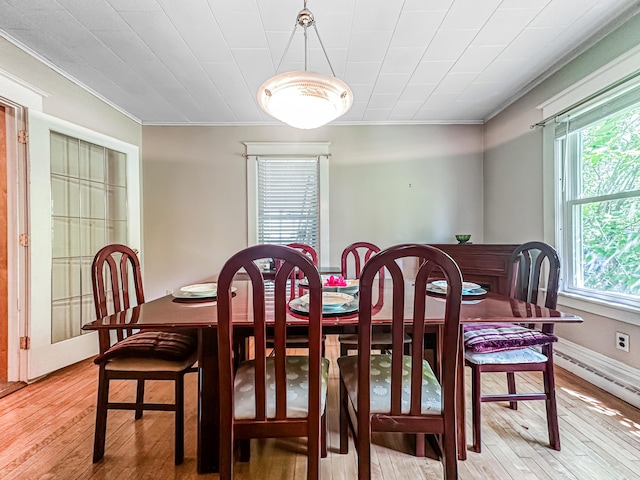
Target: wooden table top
169, 313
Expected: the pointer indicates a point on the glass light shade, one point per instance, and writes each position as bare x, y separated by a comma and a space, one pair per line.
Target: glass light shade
305, 99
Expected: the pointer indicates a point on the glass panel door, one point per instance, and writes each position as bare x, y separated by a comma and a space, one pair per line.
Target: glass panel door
89, 211
84, 194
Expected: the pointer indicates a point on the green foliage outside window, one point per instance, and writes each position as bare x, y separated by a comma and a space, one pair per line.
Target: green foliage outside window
610, 227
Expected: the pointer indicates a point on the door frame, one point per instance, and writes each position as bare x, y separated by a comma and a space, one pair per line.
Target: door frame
17, 255
18, 97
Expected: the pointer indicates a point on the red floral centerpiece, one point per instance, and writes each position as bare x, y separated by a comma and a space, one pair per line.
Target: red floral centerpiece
335, 281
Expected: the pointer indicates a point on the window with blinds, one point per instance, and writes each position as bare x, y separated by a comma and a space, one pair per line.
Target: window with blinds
597, 151
288, 201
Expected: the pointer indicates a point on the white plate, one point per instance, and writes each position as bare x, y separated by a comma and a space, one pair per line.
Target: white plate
330, 299
331, 311
465, 292
442, 284
201, 289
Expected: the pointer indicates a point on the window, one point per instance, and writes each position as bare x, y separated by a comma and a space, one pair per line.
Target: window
597, 151
288, 201
287, 190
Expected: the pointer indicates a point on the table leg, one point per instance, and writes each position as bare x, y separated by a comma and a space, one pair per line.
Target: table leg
460, 407
208, 454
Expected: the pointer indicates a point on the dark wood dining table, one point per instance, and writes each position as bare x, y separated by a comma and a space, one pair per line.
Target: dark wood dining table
168, 313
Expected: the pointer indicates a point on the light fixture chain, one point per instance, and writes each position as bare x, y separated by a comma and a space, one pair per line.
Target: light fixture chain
306, 49
286, 49
323, 50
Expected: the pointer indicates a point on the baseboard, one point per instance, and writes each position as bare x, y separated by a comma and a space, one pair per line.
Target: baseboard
606, 373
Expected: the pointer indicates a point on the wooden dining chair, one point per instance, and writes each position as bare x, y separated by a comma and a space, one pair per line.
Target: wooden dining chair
396, 392
135, 355
295, 290
271, 395
298, 340
352, 260
513, 348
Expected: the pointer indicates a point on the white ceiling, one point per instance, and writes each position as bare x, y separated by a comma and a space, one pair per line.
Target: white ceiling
406, 61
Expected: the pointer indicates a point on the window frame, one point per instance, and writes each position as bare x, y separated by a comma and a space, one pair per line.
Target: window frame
566, 165
319, 150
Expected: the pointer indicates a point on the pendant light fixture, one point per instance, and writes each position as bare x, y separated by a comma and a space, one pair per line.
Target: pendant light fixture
305, 99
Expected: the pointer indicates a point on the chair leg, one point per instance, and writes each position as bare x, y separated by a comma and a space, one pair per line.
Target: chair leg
420, 445
476, 417
244, 445
363, 443
323, 435
344, 414
552, 409
344, 351
226, 447
139, 398
101, 416
179, 427
511, 385
450, 456
314, 450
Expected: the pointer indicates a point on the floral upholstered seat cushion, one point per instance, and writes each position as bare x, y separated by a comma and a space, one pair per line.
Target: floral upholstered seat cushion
497, 337
297, 368
380, 389
505, 357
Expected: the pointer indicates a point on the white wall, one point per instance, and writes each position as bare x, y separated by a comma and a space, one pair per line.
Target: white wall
515, 177
64, 99
388, 185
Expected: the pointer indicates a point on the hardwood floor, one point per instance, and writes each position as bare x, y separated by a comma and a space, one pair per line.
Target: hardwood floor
46, 432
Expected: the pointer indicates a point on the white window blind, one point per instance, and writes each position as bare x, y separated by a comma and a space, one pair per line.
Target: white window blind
288, 200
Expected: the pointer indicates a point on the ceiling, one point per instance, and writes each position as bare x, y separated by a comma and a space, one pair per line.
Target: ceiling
406, 61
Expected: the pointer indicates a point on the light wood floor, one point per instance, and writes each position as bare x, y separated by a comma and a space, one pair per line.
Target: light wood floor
46, 432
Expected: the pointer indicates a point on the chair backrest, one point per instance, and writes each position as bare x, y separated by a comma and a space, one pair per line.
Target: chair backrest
359, 253
296, 274
117, 282
528, 269
276, 301
404, 317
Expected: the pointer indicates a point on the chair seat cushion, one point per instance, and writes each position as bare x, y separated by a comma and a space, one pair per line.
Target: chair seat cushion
169, 346
497, 337
377, 338
297, 368
505, 357
380, 394
135, 364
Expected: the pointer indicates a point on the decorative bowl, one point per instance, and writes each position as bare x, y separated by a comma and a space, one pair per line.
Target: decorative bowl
463, 238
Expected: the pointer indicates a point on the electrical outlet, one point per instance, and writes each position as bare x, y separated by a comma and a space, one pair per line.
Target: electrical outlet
622, 341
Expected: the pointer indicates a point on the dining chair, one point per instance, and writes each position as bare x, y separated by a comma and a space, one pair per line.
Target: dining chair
511, 348
295, 290
271, 395
396, 392
352, 260
135, 355
297, 340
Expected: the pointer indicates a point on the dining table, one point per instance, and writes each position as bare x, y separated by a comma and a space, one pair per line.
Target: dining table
171, 313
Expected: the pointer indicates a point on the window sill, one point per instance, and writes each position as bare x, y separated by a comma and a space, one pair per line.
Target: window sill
621, 313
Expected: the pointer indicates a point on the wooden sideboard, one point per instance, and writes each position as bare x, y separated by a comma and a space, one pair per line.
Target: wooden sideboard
485, 264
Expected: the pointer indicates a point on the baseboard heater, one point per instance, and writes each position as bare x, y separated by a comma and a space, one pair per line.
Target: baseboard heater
613, 376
